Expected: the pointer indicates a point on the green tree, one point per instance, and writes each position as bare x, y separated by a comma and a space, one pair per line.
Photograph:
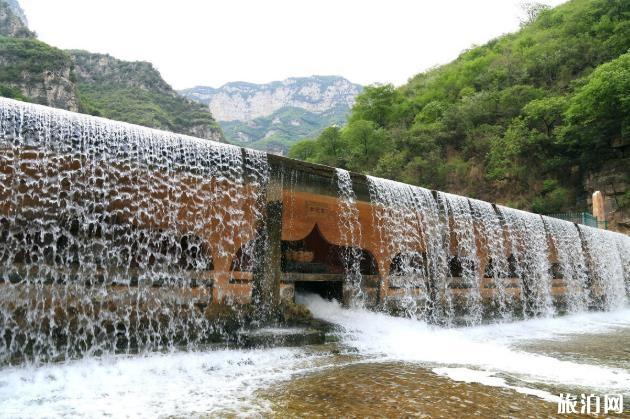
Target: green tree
303, 150
375, 104
366, 143
330, 147
547, 112
599, 112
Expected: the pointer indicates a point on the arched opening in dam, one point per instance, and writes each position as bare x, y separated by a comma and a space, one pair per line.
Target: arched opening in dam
118, 239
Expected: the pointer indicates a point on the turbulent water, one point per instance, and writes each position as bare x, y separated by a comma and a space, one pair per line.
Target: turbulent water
607, 252
572, 263
512, 356
490, 231
453, 231
408, 219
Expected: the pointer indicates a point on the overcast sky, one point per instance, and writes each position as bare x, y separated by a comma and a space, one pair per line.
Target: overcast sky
194, 42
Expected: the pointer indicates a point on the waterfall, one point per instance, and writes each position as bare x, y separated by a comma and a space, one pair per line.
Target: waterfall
607, 272
530, 252
104, 228
465, 261
571, 261
350, 234
412, 233
623, 246
116, 238
396, 221
490, 233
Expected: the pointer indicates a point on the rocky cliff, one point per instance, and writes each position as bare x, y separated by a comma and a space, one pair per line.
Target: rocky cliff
13, 20
273, 116
134, 91
92, 83
30, 69
613, 181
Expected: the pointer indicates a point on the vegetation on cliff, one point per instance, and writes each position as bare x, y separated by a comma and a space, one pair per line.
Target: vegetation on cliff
134, 92
520, 120
34, 71
23, 59
13, 21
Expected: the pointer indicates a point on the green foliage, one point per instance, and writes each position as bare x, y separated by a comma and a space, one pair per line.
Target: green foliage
135, 92
144, 107
624, 201
12, 93
518, 120
130, 92
376, 104
278, 131
599, 111
304, 150
26, 60
553, 198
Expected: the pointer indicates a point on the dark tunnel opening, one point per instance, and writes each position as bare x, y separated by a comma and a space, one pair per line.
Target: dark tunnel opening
326, 289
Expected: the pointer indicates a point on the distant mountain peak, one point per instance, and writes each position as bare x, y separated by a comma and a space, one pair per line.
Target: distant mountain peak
272, 116
244, 101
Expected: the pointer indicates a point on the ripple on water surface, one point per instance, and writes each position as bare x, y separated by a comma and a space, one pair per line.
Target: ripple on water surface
381, 365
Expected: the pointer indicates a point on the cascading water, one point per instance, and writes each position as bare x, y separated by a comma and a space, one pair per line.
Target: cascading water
530, 252
623, 246
608, 285
350, 233
104, 228
400, 237
425, 239
489, 230
117, 238
465, 263
571, 261
411, 230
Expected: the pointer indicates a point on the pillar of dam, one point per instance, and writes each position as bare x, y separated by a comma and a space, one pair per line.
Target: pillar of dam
117, 237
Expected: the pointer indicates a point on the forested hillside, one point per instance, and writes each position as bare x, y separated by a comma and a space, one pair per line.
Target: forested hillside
526, 120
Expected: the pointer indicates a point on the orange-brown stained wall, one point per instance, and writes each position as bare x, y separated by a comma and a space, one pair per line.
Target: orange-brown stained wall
141, 197
304, 210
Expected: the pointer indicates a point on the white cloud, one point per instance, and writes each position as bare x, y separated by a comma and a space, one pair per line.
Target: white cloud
213, 42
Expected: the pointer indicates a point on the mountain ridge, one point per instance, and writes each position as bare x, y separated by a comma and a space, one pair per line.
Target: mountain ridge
255, 114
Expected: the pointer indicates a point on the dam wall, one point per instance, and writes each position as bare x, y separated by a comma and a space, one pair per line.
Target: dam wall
115, 236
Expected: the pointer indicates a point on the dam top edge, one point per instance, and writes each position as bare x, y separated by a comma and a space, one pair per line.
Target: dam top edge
321, 178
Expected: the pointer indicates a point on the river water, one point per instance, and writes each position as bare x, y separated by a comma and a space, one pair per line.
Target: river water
374, 365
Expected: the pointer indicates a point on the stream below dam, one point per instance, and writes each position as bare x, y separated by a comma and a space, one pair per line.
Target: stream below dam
372, 364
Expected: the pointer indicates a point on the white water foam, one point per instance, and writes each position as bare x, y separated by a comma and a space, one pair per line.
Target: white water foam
487, 351
225, 382
220, 382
